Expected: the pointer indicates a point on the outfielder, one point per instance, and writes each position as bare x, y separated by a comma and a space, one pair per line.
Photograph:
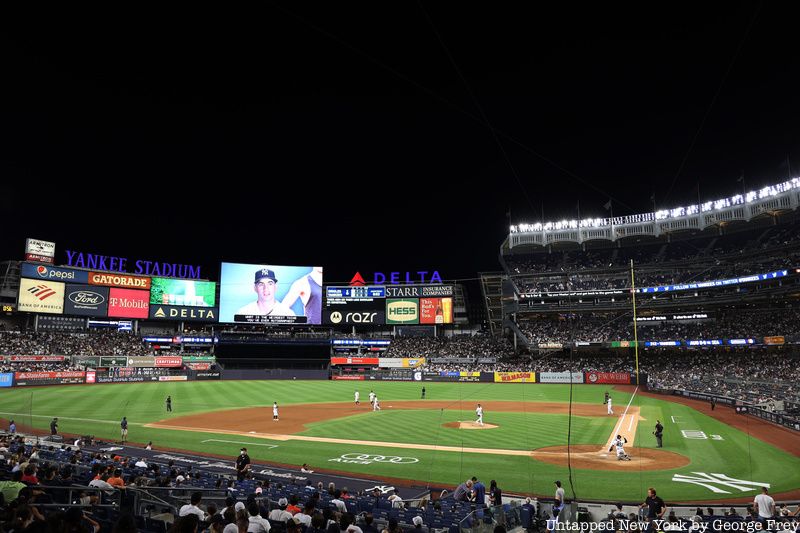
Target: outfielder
479, 412
619, 443
357, 396
275, 411
608, 404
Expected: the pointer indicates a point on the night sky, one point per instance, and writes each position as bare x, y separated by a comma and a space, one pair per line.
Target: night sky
360, 138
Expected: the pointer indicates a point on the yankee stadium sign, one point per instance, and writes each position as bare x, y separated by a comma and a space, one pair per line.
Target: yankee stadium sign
140, 266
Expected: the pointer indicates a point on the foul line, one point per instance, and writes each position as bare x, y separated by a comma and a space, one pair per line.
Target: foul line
240, 442
621, 420
274, 436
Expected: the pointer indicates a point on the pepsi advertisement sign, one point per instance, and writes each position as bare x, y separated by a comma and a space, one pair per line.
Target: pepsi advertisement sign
51, 273
86, 300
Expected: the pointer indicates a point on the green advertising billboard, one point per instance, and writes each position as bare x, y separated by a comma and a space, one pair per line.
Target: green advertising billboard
187, 292
402, 311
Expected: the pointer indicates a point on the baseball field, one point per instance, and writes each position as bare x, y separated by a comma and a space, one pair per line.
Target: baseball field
706, 456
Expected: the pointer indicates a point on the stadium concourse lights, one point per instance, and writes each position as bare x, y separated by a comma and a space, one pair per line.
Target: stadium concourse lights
663, 214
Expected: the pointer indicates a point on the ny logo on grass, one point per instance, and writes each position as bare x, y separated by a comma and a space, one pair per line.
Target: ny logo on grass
710, 481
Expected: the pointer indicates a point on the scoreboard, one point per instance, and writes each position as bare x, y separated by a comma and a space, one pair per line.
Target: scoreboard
392, 304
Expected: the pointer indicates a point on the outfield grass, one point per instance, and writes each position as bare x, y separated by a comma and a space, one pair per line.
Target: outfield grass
97, 409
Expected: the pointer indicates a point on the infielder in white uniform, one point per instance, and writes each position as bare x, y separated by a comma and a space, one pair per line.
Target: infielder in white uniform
619, 443
275, 411
479, 412
608, 404
376, 405
371, 397
357, 395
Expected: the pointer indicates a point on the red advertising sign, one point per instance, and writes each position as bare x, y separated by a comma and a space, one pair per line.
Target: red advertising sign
435, 310
38, 258
348, 378
24, 379
199, 366
354, 361
120, 280
169, 361
128, 303
616, 378
90, 375
31, 358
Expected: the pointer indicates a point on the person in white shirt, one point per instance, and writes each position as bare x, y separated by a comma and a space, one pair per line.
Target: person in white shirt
281, 514
192, 508
275, 411
304, 516
140, 463
258, 524
338, 502
265, 286
357, 395
764, 503
479, 413
608, 404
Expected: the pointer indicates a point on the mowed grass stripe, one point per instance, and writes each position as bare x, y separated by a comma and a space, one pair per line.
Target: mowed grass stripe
524, 431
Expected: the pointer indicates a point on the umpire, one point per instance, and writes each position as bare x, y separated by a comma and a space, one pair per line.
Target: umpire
659, 432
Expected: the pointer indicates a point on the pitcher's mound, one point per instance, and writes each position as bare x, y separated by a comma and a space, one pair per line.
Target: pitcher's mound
468, 425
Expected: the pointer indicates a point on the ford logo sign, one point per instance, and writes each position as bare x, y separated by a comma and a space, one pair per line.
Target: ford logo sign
86, 298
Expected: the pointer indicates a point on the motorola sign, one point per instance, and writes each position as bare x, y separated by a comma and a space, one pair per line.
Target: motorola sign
344, 316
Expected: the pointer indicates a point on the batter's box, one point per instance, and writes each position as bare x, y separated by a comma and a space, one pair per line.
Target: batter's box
677, 419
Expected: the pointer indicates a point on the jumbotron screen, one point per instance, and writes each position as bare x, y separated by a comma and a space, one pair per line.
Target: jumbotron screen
270, 294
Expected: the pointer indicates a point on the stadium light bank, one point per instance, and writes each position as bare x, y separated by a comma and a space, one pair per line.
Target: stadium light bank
782, 196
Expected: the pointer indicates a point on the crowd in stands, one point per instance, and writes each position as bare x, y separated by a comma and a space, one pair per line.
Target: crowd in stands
649, 277
730, 324
34, 481
455, 346
102, 342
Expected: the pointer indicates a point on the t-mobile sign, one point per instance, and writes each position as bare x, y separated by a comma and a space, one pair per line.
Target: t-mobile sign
128, 303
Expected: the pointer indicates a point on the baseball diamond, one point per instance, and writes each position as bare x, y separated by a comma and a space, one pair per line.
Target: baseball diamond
319, 425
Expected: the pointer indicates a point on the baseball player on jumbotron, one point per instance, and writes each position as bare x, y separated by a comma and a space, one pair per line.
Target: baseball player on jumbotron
619, 443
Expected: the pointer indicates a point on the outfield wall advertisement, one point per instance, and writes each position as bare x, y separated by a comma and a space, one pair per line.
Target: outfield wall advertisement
560, 377
41, 296
6, 379
615, 378
24, 379
515, 377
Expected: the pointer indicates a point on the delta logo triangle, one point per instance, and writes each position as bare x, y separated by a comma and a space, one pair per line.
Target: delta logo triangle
357, 280
160, 313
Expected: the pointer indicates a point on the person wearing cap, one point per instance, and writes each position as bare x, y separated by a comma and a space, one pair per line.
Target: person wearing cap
265, 284
54, 427
417, 521
281, 514
242, 464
